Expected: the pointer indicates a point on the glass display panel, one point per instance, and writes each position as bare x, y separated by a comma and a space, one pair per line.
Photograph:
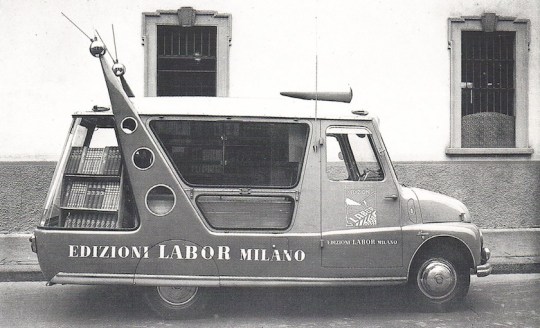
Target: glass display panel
250, 154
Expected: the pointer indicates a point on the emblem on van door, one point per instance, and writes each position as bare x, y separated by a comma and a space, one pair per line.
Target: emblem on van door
360, 208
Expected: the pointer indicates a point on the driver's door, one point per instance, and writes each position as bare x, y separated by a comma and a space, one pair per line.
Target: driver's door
360, 204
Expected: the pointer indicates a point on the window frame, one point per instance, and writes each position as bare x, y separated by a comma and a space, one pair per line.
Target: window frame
349, 159
186, 16
177, 170
212, 220
521, 102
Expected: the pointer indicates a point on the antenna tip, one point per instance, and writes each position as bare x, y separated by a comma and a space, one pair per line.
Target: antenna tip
97, 48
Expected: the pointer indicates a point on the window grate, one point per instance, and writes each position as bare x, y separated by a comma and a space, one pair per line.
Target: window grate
186, 60
487, 72
487, 89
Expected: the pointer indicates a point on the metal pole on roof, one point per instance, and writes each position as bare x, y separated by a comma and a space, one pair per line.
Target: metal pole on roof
316, 67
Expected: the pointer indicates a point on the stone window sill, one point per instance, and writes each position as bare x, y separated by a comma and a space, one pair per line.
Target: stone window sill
489, 151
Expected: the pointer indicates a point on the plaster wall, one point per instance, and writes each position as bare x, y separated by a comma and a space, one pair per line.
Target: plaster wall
506, 197
394, 54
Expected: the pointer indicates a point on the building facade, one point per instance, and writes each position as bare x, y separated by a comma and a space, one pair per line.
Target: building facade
456, 84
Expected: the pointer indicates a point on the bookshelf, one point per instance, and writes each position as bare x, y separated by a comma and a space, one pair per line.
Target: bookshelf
91, 190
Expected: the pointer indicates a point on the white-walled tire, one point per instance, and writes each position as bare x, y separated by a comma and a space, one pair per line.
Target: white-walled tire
440, 281
175, 302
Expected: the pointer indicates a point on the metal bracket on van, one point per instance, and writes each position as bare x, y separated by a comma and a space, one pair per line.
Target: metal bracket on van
297, 195
190, 193
318, 144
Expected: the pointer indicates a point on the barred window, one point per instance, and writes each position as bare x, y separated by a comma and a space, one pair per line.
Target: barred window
186, 61
487, 89
489, 85
186, 52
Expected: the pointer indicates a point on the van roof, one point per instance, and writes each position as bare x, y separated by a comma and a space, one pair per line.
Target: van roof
243, 107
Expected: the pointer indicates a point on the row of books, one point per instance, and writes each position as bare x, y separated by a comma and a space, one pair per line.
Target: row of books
194, 129
103, 161
91, 220
179, 128
103, 195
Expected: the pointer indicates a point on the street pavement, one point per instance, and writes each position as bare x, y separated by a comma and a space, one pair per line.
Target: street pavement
494, 301
512, 251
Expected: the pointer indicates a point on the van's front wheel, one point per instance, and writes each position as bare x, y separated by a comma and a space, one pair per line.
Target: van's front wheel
440, 281
175, 302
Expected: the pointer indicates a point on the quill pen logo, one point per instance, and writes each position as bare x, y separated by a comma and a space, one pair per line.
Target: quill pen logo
360, 208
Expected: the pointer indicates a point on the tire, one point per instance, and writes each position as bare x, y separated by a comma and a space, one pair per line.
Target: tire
176, 302
439, 281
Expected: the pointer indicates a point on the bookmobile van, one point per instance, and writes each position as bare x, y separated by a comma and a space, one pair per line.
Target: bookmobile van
184, 194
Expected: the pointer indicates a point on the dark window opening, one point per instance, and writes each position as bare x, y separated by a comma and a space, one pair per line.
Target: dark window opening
219, 154
488, 89
350, 156
186, 60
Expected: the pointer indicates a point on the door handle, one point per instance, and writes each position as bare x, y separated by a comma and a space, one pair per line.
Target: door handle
391, 197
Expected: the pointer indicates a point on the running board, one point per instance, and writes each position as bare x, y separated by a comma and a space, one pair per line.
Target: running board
211, 281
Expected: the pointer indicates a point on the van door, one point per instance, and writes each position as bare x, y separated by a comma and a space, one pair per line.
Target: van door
360, 220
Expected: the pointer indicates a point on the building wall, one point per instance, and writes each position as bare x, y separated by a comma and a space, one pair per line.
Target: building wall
394, 54
507, 197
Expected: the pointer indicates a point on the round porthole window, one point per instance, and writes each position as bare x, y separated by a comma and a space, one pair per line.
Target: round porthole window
129, 125
160, 200
143, 158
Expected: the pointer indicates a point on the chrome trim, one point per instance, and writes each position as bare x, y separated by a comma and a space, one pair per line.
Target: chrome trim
486, 254
484, 270
437, 279
92, 279
215, 281
33, 244
177, 296
307, 281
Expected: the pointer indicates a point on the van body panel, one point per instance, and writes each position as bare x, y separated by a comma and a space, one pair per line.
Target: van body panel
318, 185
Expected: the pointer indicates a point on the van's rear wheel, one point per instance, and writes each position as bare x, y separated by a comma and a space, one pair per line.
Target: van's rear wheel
440, 281
175, 302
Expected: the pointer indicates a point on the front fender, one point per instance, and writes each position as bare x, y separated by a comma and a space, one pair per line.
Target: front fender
417, 235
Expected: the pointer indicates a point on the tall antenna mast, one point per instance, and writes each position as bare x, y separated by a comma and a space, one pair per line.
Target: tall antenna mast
114, 41
86, 35
316, 66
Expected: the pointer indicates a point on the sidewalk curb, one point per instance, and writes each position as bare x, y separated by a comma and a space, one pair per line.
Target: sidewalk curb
19, 273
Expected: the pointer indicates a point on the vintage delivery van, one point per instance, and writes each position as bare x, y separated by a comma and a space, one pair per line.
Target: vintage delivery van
184, 194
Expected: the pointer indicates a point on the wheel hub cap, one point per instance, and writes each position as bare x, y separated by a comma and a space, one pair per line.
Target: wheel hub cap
437, 279
177, 295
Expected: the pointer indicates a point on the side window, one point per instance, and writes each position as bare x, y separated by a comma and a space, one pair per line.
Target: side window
90, 190
234, 154
336, 169
351, 155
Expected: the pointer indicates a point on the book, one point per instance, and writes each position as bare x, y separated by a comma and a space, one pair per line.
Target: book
91, 161
67, 194
115, 161
81, 160
74, 160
